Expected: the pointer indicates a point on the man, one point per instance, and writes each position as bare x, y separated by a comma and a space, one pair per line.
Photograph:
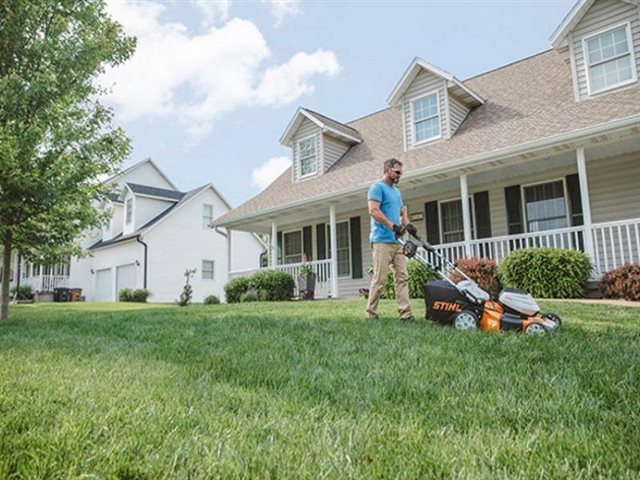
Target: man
388, 220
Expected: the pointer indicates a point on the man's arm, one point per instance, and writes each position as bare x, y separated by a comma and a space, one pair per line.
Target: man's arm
404, 219
376, 213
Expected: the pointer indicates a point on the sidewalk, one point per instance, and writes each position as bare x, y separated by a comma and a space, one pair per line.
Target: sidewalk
596, 301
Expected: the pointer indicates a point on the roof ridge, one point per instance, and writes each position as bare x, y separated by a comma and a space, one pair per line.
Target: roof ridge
328, 117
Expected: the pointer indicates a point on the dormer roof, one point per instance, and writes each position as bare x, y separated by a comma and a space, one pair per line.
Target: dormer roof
144, 190
328, 125
455, 86
559, 37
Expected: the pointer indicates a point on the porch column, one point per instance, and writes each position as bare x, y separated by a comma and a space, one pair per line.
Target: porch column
273, 258
466, 215
586, 205
334, 251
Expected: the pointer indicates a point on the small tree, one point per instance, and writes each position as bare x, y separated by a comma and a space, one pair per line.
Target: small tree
187, 290
56, 139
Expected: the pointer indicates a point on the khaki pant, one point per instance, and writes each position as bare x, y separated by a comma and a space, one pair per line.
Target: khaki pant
385, 254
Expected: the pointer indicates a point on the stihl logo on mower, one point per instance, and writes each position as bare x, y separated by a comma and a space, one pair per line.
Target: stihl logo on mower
447, 306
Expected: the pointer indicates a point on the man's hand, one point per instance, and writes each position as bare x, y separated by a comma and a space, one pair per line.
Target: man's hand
411, 229
398, 229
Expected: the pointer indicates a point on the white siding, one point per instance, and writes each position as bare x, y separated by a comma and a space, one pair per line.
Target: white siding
333, 149
614, 188
602, 15
458, 112
145, 175
424, 83
147, 208
306, 129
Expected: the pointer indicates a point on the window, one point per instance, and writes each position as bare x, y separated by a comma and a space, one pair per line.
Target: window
610, 62
452, 227
207, 269
344, 248
545, 206
292, 246
207, 215
307, 156
129, 209
426, 118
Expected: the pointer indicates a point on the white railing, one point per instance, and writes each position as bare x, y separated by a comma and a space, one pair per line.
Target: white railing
616, 243
46, 283
322, 269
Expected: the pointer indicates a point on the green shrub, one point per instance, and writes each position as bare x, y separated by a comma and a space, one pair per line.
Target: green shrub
419, 274
622, 282
211, 300
25, 292
125, 295
139, 295
273, 285
249, 296
235, 287
547, 272
483, 271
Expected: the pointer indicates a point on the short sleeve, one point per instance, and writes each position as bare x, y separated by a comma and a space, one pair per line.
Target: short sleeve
375, 192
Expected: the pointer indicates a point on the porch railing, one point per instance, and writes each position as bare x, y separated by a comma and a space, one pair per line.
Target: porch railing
322, 269
616, 243
46, 283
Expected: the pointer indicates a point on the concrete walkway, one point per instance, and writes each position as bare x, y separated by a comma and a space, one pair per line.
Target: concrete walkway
596, 301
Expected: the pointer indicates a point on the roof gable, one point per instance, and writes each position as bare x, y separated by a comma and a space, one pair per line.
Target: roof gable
559, 37
147, 163
464, 93
326, 124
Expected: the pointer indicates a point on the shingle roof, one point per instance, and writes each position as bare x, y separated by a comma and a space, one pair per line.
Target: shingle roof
336, 125
155, 192
123, 238
525, 101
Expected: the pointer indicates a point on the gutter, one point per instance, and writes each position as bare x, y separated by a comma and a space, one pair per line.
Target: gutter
574, 135
146, 249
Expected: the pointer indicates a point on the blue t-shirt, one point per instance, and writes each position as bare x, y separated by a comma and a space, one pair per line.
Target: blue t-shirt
390, 200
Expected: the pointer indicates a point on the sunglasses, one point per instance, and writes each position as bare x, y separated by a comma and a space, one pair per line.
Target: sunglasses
397, 172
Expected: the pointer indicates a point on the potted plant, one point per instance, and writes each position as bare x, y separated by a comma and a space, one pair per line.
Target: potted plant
306, 281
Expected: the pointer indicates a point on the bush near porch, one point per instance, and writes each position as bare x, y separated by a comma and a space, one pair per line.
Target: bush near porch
308, 390
622, 282
265, 285
547, 272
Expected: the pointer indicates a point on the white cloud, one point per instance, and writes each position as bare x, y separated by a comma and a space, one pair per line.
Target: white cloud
213, 10
265, 174
197, 78
281, 9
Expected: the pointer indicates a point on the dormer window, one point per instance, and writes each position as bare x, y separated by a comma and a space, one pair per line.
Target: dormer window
307, 156
426, 118
129, 211
610, 61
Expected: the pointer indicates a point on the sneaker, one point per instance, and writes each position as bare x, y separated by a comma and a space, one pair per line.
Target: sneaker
373, 316
409, 319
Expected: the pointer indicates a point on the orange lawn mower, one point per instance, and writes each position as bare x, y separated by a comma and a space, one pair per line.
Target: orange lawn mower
467, 306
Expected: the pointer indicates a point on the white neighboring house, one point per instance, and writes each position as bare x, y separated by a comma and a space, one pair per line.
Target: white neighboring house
155, 233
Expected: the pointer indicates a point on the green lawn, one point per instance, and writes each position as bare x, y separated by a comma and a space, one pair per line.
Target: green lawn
312, 390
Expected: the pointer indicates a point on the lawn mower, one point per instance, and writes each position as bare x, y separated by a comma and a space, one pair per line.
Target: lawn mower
467, 306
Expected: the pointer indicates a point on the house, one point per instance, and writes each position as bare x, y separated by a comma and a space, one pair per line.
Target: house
155, 233
544, 151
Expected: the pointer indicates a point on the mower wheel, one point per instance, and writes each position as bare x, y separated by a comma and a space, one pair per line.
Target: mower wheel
553, 317
535, 329
465, 320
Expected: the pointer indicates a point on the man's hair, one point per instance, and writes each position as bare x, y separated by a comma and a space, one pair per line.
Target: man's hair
392, 162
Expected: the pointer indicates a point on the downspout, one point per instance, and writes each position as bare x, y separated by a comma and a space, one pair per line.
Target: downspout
146, 249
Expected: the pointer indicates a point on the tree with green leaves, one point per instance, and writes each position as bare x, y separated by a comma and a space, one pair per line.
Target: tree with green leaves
56, 140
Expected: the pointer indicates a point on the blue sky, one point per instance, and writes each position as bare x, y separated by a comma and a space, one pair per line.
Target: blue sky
213, 85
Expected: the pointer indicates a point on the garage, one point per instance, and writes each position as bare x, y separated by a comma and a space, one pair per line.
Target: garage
104, 285
125, 277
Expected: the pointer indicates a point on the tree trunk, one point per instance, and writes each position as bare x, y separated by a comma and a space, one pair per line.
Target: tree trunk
6, 267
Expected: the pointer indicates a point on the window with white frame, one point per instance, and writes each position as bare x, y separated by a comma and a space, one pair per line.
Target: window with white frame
207, 269
452, 220
609, 59
545, 206
343, 241
129, 211
207, 215
307, 157
426, 118
292, 243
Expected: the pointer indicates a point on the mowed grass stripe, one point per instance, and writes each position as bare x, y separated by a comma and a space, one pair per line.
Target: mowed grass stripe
311, 390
